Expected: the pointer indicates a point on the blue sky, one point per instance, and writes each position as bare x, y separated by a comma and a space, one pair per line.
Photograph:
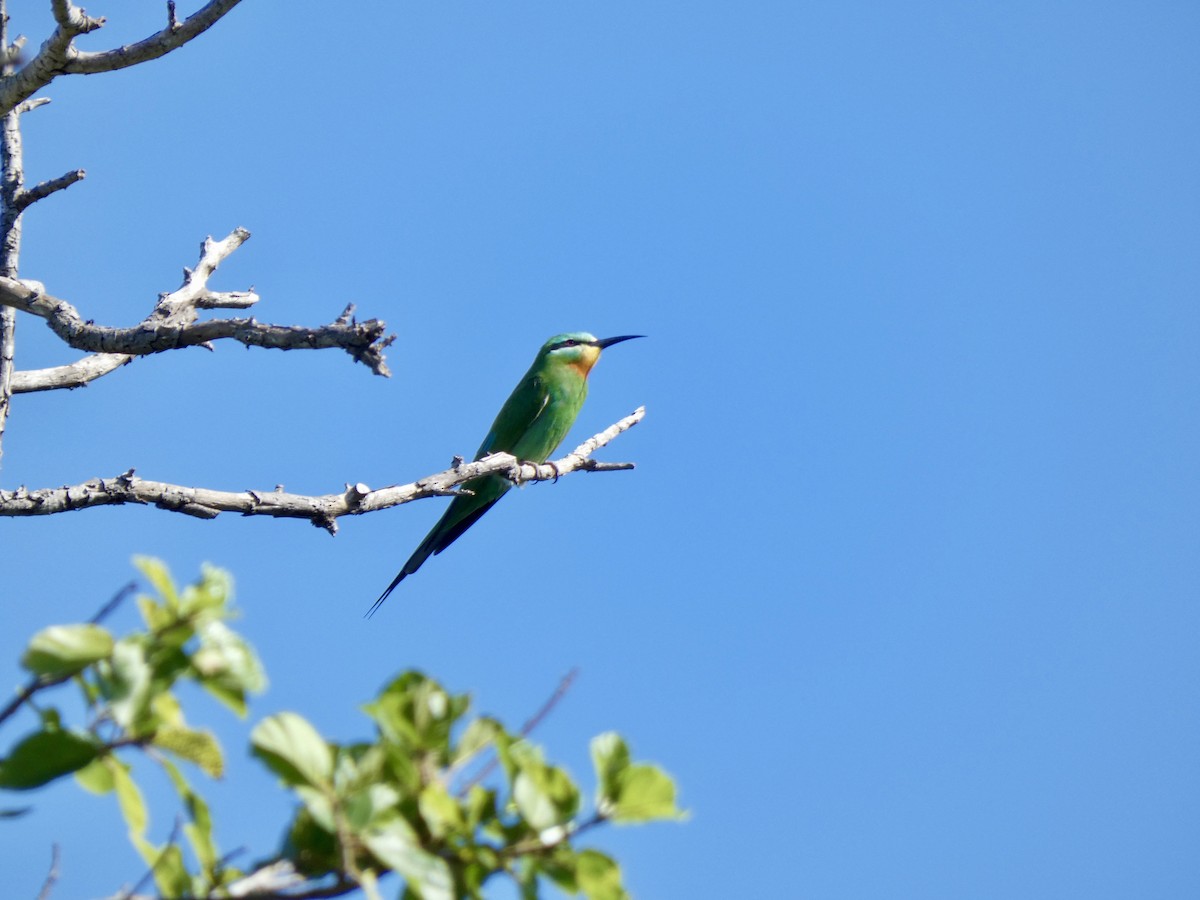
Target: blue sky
904, 588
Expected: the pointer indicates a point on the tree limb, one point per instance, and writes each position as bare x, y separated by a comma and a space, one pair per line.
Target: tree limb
323, 510
59, 56
174, 322
72, 375
39, 191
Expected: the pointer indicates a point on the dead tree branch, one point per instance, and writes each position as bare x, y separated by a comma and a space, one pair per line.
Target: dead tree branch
323, 510
174, 323
25, 198
59, 56
72, 375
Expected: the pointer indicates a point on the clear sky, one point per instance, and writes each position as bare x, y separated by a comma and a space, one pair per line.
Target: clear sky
905, 590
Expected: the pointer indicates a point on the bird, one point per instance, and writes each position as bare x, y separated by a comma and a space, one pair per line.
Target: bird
530, 425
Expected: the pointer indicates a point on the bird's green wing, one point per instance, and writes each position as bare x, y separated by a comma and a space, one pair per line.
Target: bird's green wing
524, 406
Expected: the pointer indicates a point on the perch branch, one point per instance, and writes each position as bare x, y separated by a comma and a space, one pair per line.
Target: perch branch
321, 510
59, 56
174, 323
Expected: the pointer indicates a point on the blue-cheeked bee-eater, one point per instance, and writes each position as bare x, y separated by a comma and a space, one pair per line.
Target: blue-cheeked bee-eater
531, 424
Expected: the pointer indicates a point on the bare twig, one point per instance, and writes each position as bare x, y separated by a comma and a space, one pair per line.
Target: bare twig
149, 874
561, 691
174, 322
527, 729
36, 684
52, 875
320, 510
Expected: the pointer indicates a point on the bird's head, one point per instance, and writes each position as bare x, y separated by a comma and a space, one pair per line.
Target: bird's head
578, 349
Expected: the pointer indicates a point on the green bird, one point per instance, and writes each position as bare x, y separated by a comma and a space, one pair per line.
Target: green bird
531, 424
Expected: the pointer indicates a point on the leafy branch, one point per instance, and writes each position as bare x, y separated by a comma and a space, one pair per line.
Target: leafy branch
364, 809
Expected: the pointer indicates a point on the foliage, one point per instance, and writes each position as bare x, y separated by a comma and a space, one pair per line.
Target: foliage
416, 800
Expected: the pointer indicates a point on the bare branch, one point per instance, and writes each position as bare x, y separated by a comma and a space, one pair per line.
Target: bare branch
51, 58
70, 376
527, 729
173, 323
323, 510
59, 56
160, 44
46, 188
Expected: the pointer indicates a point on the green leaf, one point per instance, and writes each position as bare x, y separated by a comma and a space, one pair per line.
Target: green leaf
63, 650
199, 747
45, 755
153, 614
199, 830
166, 708
440, 811
561, 866
125, 683
213, 593
365, 808
644, 792
157, 573
133, 807
227, 666
95, 777
170, 874
599, 877
319, 806
312, 847
16, 812
293, 749
416, 713
395, 845
478, 736
610, 756
545, 795
480, 807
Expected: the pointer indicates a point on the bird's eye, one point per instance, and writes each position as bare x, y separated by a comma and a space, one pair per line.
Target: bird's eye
570, 343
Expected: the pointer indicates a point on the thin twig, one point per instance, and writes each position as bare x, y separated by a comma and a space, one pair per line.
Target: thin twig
527, 729
52, 875
110, 607
146, 878
561, 691
36, 684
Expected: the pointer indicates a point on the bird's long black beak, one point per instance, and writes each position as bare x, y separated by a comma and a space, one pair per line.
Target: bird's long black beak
608, 342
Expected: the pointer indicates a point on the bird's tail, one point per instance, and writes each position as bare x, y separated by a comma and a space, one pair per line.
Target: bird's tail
422, 553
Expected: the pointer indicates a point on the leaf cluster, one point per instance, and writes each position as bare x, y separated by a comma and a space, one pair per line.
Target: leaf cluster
128, 687
445, 800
